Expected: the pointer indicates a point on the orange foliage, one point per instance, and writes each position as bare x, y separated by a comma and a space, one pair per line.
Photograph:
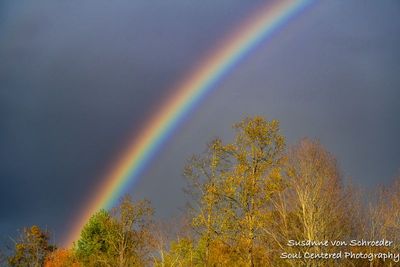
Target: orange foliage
61, 258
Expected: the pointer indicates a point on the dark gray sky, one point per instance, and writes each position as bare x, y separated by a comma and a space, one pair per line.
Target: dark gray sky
78, 79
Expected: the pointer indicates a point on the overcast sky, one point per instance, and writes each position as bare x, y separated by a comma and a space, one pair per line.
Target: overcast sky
78, 80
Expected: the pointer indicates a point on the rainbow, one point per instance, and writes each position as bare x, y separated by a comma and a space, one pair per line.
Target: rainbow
187, 95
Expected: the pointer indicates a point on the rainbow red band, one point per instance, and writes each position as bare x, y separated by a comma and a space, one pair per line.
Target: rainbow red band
187, 95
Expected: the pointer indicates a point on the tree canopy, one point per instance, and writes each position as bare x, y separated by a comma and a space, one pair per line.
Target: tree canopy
247, 198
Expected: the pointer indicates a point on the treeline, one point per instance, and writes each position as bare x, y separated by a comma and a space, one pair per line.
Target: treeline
250, 202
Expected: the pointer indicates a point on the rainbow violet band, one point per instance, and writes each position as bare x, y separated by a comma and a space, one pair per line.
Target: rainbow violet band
188, 94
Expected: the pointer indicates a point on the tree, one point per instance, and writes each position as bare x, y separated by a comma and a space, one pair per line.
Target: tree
92, 247
121, 237
131, 240
315, 204
384, 219
231, 186
61, 258
31, 248
181, 253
